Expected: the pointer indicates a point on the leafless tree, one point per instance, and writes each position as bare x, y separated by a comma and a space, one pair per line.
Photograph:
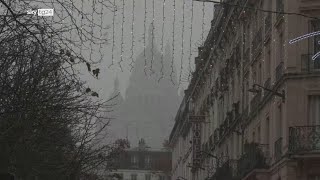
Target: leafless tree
49, 118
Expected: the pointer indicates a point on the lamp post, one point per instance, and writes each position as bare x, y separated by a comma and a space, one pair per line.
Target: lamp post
255, 89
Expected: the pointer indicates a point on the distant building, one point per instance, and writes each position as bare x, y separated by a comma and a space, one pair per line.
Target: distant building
148, 107
143, 163
252, 108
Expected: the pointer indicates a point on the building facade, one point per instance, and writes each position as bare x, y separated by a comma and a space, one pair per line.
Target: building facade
142, 163
252, 108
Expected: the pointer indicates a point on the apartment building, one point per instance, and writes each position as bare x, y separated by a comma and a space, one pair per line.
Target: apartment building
252, 108
142, 163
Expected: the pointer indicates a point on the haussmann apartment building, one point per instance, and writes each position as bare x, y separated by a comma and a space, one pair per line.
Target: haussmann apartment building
252, 108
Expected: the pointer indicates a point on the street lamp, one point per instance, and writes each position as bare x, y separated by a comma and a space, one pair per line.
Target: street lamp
256, 89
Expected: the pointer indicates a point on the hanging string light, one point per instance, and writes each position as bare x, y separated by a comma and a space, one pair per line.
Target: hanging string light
113, 32
122, 41
190, 48
182, 43
162, 39
101, 24
174, 21
81, 23
132, 35
152, 39
144, 37
203, 22
92, 20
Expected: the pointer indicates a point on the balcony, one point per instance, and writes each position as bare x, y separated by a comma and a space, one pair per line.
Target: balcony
279, 71
227, 171
267, 24
278, 149
255, 101
256, 43
304, 139
309, 65
254, 157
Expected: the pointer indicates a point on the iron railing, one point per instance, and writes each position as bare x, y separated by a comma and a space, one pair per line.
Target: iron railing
279, 71
278, 149
309, 65
304, 139
267, 24
254, 157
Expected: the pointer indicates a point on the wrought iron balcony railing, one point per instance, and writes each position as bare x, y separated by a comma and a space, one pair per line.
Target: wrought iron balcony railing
309, 65
279, 71
227, 171
254, 157
278, 149
303, 139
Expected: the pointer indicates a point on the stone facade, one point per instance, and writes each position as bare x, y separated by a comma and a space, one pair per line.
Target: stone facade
259, 96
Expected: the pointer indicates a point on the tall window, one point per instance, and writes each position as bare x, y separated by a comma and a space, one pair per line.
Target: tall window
267, 130
314, 110
267, 61
281, 48
134, 160
279, 121
147, 161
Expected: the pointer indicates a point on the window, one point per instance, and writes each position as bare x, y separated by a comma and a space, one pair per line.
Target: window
134, 176
147, 177
314, 110
279, 121
281, 49
267, 61
267, 130
161, 177
258, 135
147, 161
134, 160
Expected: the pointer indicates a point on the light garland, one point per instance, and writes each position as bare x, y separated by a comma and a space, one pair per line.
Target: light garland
152, 40
113, 33
174, 21
101, 24
92, 20
162, 38
182, 43
122, 41
203, 22
145, 19
190, 48
132, 35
